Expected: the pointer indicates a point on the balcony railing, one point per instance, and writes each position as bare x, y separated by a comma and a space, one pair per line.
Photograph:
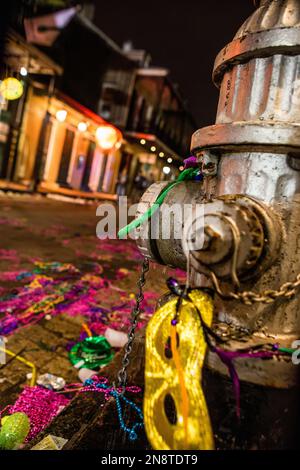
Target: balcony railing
173, 128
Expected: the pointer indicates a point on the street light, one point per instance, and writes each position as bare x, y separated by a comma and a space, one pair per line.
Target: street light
166, 170
23, 71
107, 136
61, 115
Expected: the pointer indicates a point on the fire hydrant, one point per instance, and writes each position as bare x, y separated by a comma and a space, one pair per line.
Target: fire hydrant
250, 199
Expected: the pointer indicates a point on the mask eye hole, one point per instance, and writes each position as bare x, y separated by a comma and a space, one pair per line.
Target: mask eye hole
170, 409
168, 350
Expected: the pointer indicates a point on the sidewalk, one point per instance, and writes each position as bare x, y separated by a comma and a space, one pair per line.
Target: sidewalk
11, 186
44, 189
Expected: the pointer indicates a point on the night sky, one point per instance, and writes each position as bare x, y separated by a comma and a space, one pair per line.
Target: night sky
181, 35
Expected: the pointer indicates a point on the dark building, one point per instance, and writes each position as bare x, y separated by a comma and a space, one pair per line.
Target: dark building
99, 81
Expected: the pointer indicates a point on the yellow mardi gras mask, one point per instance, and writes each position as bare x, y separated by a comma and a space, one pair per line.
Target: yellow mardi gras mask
175, 353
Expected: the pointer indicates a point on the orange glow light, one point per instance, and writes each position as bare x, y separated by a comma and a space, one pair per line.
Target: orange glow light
107, 136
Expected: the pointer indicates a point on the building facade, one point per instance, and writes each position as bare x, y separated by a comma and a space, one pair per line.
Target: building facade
80, 88
49, 141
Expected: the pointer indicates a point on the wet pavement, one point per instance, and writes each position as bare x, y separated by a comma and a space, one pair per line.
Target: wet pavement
56, 278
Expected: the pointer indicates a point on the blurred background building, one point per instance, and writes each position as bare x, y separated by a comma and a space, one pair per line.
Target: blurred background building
81, 115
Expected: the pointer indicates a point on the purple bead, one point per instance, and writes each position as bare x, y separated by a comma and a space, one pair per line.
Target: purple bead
190, 162
174, 322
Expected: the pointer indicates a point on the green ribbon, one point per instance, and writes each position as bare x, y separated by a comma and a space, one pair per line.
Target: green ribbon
185, 175
287, 350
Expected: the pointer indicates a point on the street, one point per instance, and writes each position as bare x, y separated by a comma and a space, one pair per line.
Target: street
59, 281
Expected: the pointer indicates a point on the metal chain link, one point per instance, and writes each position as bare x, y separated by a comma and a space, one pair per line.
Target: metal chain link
122, 374
287, 290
